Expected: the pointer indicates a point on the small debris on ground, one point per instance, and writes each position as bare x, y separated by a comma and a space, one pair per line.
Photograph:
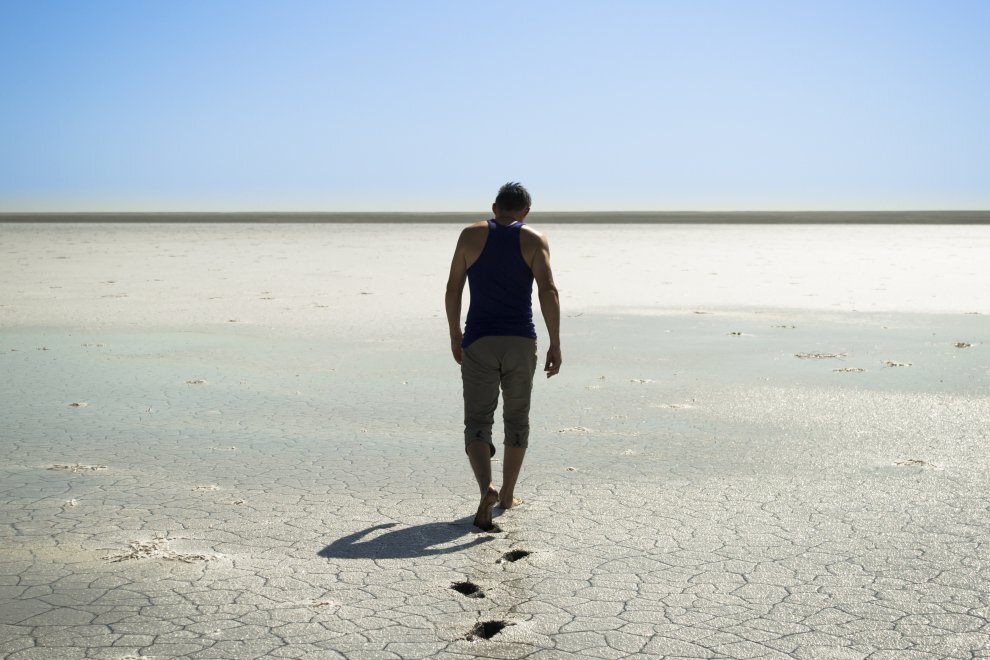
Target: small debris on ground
157, 548
76, 467
917, 462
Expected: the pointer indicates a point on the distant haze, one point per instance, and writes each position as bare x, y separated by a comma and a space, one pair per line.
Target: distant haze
429, 106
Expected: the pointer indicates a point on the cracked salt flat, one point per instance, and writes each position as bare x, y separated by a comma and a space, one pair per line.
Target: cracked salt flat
770, 518
766, 520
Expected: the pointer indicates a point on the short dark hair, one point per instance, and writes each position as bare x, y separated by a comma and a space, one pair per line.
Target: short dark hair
513, 197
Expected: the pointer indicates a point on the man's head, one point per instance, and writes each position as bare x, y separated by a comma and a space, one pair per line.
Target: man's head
512, 200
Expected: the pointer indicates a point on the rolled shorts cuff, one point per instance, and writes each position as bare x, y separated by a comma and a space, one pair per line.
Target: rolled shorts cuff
479, 435
517, 438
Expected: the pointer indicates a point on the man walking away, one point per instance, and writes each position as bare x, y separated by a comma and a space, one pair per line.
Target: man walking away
500, 258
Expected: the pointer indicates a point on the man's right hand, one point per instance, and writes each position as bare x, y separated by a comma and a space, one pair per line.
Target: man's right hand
553, 361
455, 347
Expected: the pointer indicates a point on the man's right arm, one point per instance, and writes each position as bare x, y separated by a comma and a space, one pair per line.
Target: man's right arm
549, 303
452, 298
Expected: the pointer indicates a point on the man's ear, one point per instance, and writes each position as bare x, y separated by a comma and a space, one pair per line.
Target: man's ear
494, 212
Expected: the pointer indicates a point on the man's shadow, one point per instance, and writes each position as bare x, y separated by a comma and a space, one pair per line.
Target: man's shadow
406, 542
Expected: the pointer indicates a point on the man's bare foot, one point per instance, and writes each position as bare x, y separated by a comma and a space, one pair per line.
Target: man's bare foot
508, 505
483, 518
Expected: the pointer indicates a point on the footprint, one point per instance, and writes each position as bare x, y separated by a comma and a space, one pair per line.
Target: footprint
469, 589
891, 363
486, 630
513, 555
962, 344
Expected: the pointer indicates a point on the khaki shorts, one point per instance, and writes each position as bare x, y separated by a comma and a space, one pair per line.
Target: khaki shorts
490, 363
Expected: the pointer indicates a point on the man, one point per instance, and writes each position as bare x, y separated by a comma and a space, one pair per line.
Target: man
500, 258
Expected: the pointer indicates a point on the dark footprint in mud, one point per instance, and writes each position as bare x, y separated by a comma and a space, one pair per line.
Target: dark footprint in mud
486, 630
469, 589
513, 555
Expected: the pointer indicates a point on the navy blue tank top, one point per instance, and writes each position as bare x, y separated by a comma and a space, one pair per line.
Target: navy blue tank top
501, 285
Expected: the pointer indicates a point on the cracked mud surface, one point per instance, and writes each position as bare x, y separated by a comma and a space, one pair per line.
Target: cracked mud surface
275, 512
710, 496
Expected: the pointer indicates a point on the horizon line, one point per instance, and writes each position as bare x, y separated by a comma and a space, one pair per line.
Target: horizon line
463, 211
945, 216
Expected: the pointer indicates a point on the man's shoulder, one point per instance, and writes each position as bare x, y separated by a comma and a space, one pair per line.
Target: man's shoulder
480, 227
532, 237
474, 234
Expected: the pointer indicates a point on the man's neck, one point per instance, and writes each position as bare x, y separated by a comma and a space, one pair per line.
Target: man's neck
505, 220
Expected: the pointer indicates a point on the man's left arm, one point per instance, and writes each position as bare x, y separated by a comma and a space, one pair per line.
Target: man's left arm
549, 299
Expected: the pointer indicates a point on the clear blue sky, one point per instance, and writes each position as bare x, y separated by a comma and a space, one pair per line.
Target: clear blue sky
430, 106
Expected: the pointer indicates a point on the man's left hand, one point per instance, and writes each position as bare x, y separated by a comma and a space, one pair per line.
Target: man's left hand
553, 361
